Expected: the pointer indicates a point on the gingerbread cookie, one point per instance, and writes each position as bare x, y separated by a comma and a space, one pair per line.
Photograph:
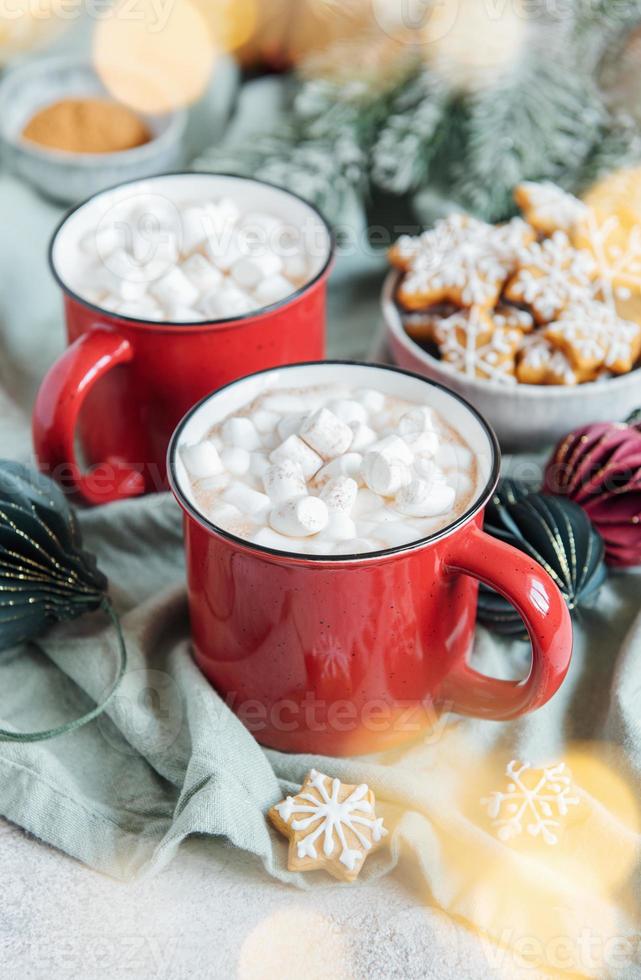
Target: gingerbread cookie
539, 363
552, 275
513, 318
462, 261
548, 208
593, 337
471, 343
614, 242
330, 825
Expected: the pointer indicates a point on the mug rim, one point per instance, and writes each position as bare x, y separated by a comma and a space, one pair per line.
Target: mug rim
447, 531
196, 325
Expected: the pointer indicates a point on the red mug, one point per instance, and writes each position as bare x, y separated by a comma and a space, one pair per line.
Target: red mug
124, 382
347, 655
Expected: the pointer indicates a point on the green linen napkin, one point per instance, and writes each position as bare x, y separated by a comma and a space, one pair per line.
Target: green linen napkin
170, 760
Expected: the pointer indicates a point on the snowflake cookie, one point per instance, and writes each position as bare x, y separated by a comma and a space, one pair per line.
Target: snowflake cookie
594, 337
513, 318
552, 275
471, 343
548, 208
532, 802
421, 324
461, 260
614, 242
539, 363
330, 825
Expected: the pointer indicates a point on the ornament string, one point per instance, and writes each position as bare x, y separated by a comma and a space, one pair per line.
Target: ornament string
99, 709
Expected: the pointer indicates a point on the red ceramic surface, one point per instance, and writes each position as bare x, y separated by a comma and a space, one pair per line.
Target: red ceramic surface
124, 384
345, 655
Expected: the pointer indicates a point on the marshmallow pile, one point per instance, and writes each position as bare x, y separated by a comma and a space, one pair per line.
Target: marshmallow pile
190, 263
331, 471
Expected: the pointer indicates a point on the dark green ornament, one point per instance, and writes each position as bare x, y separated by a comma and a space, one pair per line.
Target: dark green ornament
557, 534
45, 576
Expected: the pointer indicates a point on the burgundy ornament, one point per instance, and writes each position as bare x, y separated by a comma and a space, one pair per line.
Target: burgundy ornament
599, 467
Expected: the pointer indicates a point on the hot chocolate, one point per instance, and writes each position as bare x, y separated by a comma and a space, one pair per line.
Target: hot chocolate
331, 470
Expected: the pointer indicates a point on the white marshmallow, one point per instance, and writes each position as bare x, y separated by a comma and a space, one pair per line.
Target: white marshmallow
250, 270
265, 421
174, 288
394, 449
348, 410
201, 273
284, 481
216, 483
425, 443
272, 290
340, 494
374, 401
250, 502
260, 227
386, 515
340, 527
129, 289
422, 498
290, 425
236, 460
355, 546
240, 431
326, 434
385, 476
183, 314
296, 269
222, 214
201, 459
258, 464
223, 249
366, 502
155, 246
269, 538
101, 242
224, 515
364, 437
226, 302
300, 517
395, 533
349, 464
293, 448
417, 420
196, 227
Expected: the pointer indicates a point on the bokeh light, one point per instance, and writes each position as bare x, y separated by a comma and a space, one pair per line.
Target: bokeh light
231, 23
157, 61
293, 943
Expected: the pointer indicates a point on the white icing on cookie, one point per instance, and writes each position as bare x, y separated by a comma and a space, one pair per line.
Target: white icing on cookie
596, 336
548, 205
464, 258
322, 814
466, 343
552, 275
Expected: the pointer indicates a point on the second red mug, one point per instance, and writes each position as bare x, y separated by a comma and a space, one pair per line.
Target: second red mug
349, 654
124, 383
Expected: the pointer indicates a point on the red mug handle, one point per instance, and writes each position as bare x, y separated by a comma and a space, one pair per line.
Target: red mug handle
56, 411
530, 589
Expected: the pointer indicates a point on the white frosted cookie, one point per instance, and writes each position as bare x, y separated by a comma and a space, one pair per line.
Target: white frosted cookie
552, 275
329, 825
548, 208
593, 337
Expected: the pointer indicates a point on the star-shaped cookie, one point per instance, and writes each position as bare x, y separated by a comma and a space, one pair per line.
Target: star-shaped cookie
330, 825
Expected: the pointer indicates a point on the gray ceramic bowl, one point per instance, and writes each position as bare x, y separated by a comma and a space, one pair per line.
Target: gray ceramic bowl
69, 177
524, 417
